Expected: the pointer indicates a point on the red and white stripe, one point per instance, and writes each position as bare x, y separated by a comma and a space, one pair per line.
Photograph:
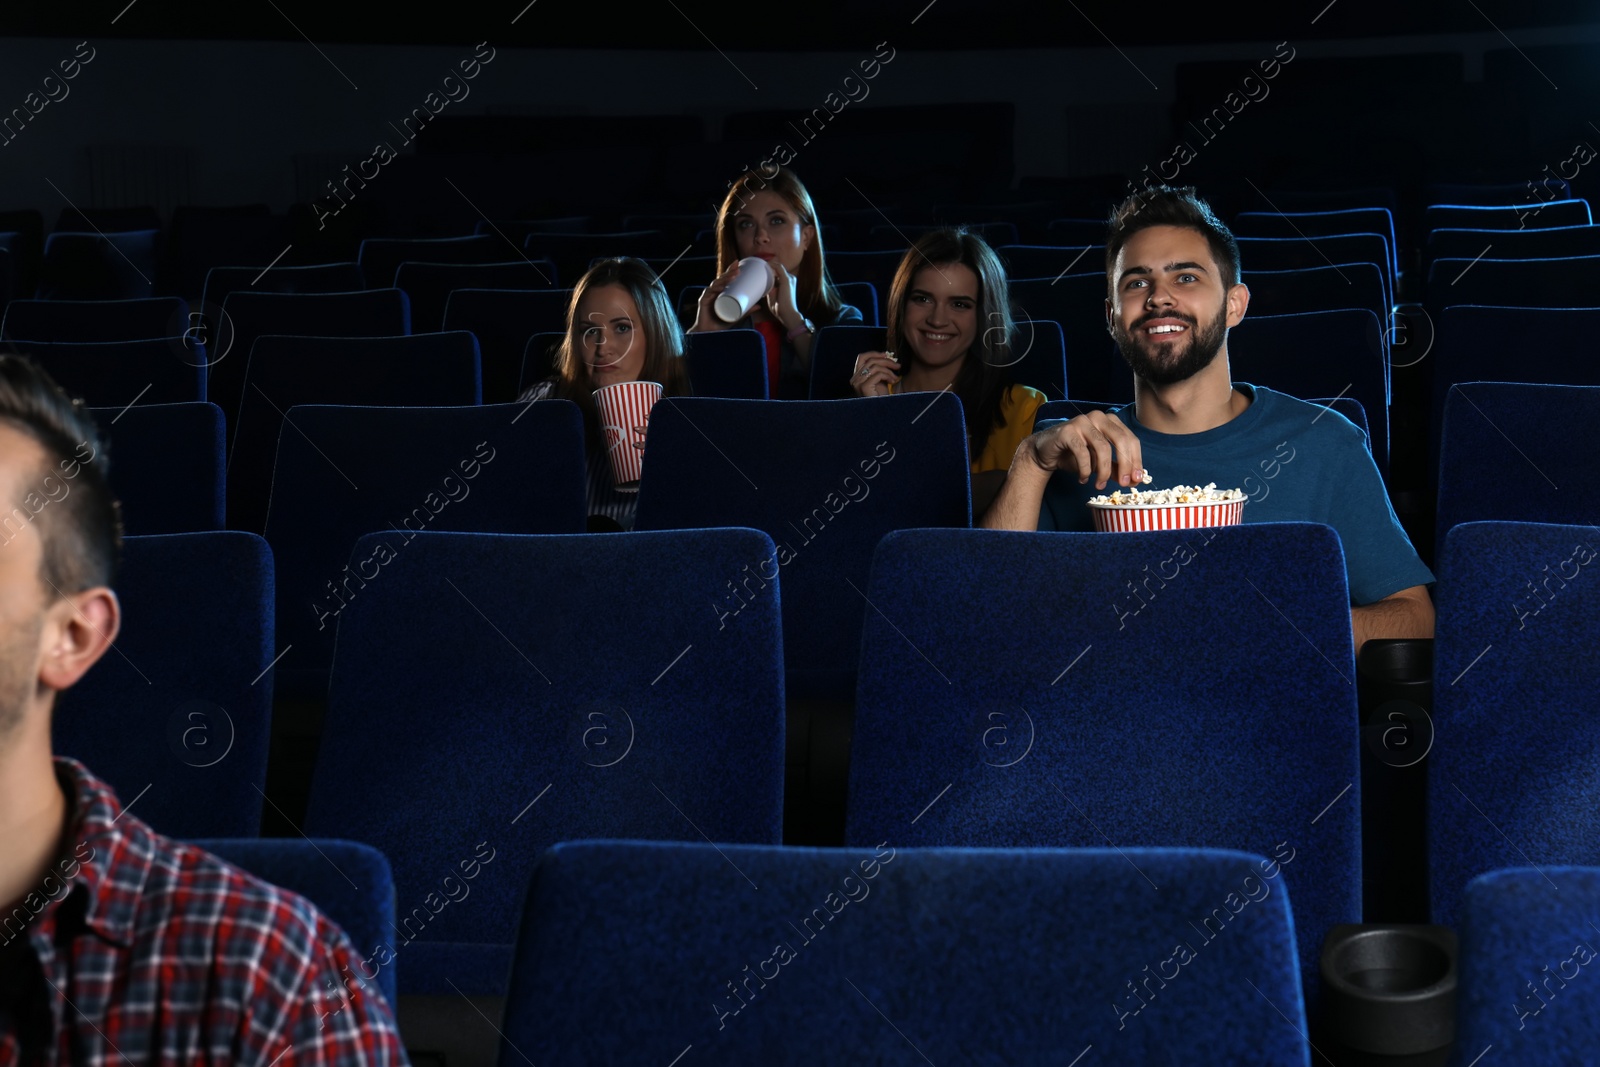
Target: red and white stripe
1128, 518
624, 413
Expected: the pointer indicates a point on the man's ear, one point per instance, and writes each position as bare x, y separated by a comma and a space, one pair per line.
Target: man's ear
77, 631
1238, 300
1109, 320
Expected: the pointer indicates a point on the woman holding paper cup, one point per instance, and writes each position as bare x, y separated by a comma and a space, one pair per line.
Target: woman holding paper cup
622, 351
950, 327
771, 276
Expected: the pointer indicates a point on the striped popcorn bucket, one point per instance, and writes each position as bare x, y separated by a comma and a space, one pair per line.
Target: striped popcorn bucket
624, 413
1125, 518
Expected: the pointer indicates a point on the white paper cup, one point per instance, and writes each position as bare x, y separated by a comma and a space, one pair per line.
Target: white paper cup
753, 282
1127, 518
624, 414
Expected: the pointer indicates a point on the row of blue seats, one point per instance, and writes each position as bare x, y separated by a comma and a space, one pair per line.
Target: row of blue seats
523, 690
318, 476
1050, 953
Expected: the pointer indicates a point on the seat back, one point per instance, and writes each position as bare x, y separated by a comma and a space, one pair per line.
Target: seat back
1544, 243
252, 314
176, 716
973, 730
1515, 641
1527, 936
490, 469
380, 257
833, 358
429, 285
313, 278
1324, 353
95, 320
159, 370
1510, 215
603, 705
728, 363
1049, 261
421, 370
826, 480
502, 320
167, 463
1545, 439
919, 930
1560, 282
1317, 224
98, 266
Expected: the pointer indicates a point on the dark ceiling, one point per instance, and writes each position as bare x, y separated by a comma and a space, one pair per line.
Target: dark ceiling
817, 25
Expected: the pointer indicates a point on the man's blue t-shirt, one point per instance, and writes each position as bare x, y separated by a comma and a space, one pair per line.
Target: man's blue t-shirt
1295, 462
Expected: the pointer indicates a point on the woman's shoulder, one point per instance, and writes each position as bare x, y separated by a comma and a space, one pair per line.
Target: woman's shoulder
1024, 399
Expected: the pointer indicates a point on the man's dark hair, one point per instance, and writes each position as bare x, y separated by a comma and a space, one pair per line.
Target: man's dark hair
1166, 205
80, 524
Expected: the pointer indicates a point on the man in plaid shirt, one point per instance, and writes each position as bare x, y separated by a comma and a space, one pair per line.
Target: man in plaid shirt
118, 945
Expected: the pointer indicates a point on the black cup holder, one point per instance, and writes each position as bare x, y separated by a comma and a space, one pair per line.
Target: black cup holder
1389, 989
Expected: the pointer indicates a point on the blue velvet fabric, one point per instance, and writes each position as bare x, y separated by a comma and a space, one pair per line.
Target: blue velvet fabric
1512, 776
98, 266
1529, 952
863, 296
1304, 224
833, 358
731, 364
496, 693
1510, 344
348, 882
380, 257
251, 314
1534, 436
429, 285
95, 320
634, 952
1040, 350
1078, 303
316, 278
1015, 693
162, 370
1551, 282
1297, 253
1049, 261
171, 706
502, 320
343, 472
1319, 353
826, 480
1508, 214
166, 465
1535, 243
1324, 287
418, 370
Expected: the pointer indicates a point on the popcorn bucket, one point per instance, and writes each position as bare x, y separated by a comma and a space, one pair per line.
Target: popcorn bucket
624, 413
1126, 518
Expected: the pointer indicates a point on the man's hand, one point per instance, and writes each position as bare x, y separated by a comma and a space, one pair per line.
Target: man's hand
1084, 446
1092, 445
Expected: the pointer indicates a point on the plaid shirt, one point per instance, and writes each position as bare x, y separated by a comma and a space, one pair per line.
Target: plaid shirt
148, 951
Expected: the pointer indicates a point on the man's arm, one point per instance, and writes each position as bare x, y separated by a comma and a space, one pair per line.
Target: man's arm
1095, 445
1407, 613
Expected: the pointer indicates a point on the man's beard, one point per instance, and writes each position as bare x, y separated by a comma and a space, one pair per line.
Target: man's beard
1187, 359
18, 675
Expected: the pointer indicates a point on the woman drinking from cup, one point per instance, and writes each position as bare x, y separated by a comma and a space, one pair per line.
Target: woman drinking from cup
950, 327
773, 221
620, 329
